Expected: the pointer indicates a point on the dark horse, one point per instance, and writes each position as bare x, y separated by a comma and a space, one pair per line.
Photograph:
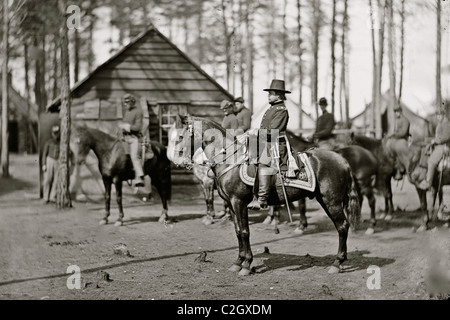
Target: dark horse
335, 188
115, 167
386, 171
364, 168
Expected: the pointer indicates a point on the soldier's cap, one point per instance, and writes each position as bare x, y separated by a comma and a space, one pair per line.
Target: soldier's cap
225, 104
278, 86
323, 102
239, 99
55, 128
129, 96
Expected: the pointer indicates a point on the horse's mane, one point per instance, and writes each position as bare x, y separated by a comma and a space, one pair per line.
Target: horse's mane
212, 124
368, 142
298, 136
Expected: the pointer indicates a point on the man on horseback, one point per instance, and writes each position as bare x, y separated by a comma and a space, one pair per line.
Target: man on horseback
131, 129
323, 135
398, 140
441, 143
274, 122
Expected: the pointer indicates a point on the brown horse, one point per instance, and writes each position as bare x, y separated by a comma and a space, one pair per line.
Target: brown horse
115, 167
364, 168
410, 161
335, 189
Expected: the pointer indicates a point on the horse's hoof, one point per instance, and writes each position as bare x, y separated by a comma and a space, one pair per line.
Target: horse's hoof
268, 220
370, 231
118, 224
162, 219
234, 268
382, 216
207, 221
388, 218
103, 222
244, 272
333, 270
299, 231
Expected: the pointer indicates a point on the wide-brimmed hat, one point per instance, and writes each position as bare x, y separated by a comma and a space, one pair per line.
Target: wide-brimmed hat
225, 104
323, 102
239, 99
277, 85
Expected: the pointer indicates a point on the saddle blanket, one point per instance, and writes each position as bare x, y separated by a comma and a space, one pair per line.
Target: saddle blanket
306, 179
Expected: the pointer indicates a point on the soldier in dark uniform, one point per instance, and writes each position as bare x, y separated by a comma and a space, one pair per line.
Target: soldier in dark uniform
229, 120
323, 135
243, 114
274, 123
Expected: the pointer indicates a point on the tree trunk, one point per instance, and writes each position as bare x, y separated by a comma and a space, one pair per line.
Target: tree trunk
284, 45
379, 100
56, 75
200, 31
439, 104
333, 58
249, 55
227, 46
344, 78
402, 51
300, 63
372, 124
315, 53
76, 56
5, 82
63, 177
392, 95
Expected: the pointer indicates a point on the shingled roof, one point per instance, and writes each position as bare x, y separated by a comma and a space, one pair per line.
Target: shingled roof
152, 66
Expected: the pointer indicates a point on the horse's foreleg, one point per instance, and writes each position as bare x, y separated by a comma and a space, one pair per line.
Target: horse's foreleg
371, 198
241, 212
208, 191
241, 256
336, 213
303, 222
388, 203
423, 207
118, 184
162, 187
107, 182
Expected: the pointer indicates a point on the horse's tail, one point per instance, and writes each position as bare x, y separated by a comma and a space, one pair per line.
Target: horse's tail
351, 202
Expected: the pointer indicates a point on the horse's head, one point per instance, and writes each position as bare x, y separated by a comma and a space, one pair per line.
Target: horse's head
180, 142
82, 144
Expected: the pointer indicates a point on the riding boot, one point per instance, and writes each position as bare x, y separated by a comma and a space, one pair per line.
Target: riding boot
426, 184
265, 182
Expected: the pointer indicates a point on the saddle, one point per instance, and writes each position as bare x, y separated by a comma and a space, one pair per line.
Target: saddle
145, 149
304, 177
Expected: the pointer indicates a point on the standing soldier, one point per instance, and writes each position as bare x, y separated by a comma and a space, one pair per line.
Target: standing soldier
229, 120
398, 140
50, 157
131, 128
441, 142
243, 114
323, 135
274, 122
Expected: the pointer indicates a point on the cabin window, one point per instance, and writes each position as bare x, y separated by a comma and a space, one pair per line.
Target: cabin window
167, 116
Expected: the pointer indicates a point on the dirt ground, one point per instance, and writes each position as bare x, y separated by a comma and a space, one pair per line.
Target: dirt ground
157, 261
